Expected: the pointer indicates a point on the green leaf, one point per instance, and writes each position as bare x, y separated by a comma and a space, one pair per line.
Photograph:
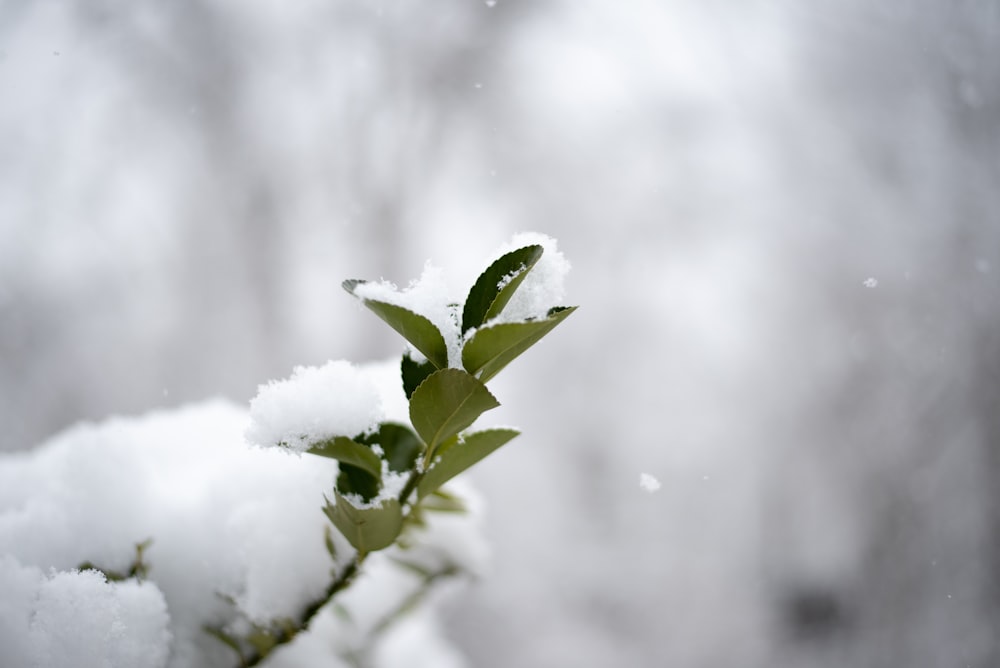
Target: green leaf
331, 549
367, 529
262, 640
446, 403
414, 373
495, 286
441, 501
417, 569
350, 452
492, 348
223, 637
447, 443
460, 456
401, 446
353, 480
414, 327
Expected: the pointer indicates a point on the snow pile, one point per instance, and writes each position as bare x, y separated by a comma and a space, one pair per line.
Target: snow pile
77, 618
313, 405
237, 536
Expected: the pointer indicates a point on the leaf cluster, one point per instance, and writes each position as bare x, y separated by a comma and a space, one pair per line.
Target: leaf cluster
443, 403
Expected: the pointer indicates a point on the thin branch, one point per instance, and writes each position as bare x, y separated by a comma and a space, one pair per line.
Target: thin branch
286, 635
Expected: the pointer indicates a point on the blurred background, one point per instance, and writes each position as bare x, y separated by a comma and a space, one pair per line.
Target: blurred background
784, 221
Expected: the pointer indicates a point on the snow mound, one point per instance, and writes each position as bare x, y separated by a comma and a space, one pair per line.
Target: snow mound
315, 404
237, 536
77, 618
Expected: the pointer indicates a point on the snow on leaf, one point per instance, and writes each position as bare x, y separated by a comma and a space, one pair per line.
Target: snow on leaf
495, 286
313, 405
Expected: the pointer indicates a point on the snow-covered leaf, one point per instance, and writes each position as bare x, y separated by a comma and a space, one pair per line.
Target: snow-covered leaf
492, 348
495, 286
415, 328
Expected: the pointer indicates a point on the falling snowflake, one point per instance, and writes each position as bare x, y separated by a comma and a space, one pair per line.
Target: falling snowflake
648, 483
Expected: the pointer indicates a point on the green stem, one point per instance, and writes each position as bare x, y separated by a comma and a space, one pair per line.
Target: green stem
411, 484
414, 599
285, 636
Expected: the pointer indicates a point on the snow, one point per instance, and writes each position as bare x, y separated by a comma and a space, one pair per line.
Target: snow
648, 483
224, 519
75, 618
719, 172
313, 405
237, 534
870, 282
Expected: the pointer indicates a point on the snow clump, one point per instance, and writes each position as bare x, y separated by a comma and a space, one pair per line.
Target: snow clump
41, 622
314, 405
648, 483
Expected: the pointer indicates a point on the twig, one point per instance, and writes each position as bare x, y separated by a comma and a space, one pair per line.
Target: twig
285, 636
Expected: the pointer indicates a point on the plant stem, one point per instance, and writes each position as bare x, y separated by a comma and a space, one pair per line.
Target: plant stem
285, 636
411, 484
411, 601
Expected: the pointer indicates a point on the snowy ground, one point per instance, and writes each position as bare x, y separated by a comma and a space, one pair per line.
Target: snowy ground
783, 224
